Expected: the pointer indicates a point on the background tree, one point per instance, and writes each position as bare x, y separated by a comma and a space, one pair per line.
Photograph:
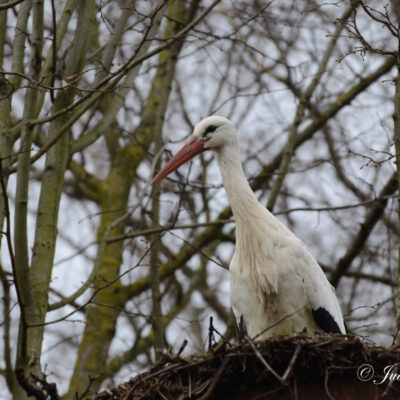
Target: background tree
98, 270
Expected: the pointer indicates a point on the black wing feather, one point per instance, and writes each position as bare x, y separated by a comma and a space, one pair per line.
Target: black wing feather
325, 320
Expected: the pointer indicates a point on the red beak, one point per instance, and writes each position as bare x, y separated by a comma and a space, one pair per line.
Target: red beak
189, 150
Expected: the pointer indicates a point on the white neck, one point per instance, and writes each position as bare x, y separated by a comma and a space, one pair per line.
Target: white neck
253, 224
241, 197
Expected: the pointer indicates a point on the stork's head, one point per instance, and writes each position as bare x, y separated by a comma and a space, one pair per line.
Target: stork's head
211, 133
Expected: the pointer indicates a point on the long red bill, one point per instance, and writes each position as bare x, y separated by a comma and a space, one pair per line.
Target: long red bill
189, 150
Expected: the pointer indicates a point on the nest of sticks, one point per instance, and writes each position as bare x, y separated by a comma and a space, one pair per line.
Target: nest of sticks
279, 363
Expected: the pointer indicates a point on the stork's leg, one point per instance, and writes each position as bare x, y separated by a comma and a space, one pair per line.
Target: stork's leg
242, 329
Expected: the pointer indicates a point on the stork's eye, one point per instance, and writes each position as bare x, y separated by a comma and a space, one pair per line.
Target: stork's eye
210, 128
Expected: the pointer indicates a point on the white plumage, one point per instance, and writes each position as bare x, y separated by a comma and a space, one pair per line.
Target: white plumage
277, 286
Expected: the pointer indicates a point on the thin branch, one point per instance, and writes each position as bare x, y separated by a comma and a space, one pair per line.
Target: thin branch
362, 275
290, 147
320, 120
108, 83
9, 240
54, 50
10, 4
6, 286
161, 229
371, 219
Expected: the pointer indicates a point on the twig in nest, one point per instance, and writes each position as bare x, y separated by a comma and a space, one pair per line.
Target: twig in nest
37, 387
264, 362
211, 338
326, 378
292, 361
215, 381
210, 333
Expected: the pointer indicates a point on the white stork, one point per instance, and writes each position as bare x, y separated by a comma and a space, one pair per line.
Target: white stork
277, 286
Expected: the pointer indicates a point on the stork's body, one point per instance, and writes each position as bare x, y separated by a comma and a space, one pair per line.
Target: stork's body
277, 286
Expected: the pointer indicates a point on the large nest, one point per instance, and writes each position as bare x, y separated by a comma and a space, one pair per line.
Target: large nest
286, 367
